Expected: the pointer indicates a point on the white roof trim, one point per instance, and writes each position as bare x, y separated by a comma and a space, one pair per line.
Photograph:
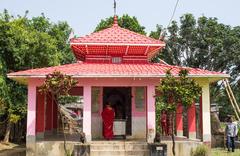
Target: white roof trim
122, 76
119, 44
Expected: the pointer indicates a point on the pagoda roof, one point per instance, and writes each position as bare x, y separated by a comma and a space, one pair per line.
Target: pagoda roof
115, 35
98, 70
115, 41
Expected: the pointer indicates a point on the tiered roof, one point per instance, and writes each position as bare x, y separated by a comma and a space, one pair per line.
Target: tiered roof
99, 49
115, 41
82, 69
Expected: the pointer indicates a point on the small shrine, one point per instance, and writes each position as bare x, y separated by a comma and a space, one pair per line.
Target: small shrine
114, 65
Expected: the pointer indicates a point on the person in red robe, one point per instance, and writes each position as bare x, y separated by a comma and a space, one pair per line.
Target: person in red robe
108, 118
164, 123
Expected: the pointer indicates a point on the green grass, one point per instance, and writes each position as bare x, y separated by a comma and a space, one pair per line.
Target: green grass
224, 152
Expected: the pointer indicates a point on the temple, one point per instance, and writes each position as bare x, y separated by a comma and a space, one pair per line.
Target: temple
114, 65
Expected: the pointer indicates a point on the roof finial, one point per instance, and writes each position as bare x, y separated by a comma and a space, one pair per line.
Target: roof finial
115, 18
115, 7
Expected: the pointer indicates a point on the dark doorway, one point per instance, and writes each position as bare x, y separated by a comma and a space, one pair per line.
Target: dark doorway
120, 99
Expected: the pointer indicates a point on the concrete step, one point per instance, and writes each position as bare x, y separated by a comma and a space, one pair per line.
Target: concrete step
107, 153
137, 153
136, 146
119, 153
114, 146
118, 148
107, 147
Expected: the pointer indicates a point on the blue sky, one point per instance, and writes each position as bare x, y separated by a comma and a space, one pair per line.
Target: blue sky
84, 15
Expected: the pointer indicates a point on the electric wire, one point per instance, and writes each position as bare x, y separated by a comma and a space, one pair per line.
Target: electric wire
173, 13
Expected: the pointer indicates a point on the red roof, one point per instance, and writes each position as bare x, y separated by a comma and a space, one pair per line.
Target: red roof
116, 35
82, 69
115, 41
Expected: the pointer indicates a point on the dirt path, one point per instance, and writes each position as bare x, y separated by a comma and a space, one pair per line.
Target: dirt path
11, 149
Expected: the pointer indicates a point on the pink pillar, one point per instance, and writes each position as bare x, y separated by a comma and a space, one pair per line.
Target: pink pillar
151, 128
192, 121
40, 115
179, 120
87, 112
31, 118
31, 114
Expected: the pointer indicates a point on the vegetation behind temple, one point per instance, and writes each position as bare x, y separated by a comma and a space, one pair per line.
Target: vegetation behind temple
27, 43
200, 43
36, 42
207, 44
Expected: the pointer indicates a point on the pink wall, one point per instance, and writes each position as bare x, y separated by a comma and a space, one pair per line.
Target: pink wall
118, 81
87, 111
150, 107
31, 114
87, 83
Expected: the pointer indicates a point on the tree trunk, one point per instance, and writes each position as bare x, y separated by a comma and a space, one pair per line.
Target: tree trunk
64, 140
55, 99
7, 133
19, 133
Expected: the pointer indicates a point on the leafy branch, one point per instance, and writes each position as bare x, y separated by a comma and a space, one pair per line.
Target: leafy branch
58, 84
173, 91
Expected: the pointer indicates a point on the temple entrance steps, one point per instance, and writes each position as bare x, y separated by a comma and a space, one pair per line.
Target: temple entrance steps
119, 148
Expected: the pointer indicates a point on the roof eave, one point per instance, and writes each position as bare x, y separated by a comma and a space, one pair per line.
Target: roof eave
127, 76
120, 44
23, 79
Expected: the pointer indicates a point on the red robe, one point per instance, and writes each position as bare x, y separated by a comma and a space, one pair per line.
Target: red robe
108, 118
164, 124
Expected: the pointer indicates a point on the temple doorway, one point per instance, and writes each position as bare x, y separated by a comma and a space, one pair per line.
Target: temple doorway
120, 99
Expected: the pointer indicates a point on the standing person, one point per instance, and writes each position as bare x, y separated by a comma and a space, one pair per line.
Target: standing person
237, 126
231, 133
108, 118
164, 123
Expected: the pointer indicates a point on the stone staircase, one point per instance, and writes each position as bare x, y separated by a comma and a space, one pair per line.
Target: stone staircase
119, 148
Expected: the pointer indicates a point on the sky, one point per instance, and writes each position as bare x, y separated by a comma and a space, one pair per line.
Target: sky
84, 15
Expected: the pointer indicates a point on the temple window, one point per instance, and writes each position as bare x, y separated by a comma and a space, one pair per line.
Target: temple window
116, 59
140, 99
95, 99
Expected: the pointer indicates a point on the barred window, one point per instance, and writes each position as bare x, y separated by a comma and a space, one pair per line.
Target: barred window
140, 99
95, 99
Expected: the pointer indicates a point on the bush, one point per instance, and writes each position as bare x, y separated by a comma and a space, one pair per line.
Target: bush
201, 150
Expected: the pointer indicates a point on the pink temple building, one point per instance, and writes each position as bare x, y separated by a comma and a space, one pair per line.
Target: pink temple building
114, 65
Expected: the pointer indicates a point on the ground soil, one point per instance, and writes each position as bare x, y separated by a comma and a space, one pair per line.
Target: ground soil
11, 149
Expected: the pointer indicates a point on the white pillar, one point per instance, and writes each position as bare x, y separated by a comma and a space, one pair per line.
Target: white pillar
87, 112
31, 119
206, 125
151, 128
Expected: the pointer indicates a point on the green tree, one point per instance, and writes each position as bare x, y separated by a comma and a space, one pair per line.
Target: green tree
126, 21
207, 44
58, 84
24, 44
3, 91
173, 91
202, 43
